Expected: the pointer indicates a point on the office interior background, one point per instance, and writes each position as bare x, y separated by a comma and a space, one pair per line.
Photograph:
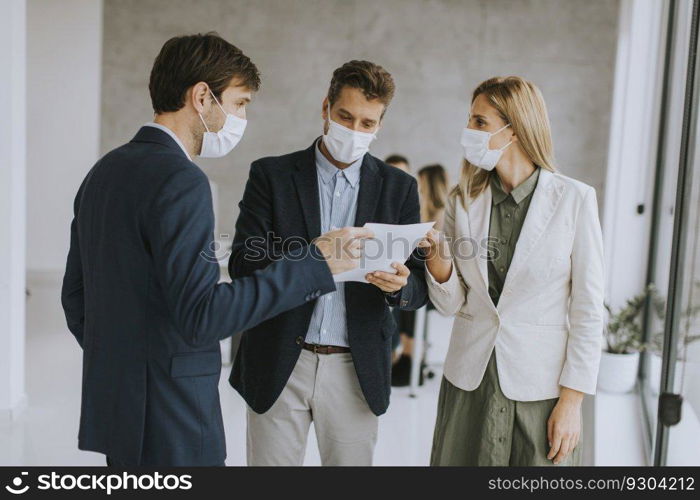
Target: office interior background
620, 78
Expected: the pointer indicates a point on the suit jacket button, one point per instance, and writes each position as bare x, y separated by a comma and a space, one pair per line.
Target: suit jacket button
404, 303
300, 340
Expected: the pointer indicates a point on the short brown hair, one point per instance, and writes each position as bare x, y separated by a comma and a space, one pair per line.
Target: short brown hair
374, 81
396, 158
187, 60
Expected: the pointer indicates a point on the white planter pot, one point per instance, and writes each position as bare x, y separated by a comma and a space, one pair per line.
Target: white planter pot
654, 377
618, 372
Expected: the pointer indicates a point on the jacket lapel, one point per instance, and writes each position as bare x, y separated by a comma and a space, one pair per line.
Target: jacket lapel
543, 205
371, 182
370, 189
306, 182
479, 215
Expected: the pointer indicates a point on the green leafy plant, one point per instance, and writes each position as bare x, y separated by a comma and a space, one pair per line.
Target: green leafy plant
623, 332
689, 324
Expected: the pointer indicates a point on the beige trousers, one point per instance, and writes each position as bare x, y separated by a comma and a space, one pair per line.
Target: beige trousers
323, 388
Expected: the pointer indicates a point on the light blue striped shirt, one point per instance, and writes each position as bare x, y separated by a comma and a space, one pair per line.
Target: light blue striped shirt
337, 190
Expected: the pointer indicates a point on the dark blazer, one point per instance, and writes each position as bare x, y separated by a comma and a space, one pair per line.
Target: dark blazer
280, 209
140, 295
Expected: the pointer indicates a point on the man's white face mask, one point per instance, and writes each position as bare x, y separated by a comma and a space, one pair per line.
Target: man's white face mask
346, 145
218, 144
476, 148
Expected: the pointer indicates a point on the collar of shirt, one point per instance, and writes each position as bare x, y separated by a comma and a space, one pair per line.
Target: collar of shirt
328, 170
521, 191
171, 134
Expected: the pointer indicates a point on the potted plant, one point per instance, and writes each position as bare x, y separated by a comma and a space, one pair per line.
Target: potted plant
619, 362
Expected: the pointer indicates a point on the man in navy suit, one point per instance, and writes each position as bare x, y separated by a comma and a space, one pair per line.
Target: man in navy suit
141, 292
327, 361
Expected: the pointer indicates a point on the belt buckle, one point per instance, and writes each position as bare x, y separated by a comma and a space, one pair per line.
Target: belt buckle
316, 348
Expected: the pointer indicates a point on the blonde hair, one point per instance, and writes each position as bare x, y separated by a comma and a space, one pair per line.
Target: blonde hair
519, 103
434, 179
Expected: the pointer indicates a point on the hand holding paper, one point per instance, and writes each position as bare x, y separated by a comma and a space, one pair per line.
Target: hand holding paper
350, 240
389, 282
391, 243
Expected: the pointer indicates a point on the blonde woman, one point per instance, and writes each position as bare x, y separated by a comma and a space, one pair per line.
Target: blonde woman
432, 189
520, 264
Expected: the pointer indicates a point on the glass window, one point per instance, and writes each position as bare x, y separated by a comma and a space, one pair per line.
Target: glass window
681, 443
662, 227
684, 438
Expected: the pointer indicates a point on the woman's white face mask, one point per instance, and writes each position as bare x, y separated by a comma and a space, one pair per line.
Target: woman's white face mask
218, 144
343, 144
476, 148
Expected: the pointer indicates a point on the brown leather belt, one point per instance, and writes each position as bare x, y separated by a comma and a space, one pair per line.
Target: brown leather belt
325, 349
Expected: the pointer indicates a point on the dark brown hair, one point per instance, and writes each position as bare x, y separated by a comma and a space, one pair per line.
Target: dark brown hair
187, 60
374, 81
396, 158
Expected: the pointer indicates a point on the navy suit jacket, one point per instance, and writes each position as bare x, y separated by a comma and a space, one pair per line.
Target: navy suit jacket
141, 295
279, 210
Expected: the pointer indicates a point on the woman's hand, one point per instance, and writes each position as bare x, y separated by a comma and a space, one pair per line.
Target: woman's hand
437, 255
564, 425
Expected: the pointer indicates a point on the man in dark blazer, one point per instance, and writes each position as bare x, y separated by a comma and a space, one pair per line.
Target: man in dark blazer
141, 292
327, 361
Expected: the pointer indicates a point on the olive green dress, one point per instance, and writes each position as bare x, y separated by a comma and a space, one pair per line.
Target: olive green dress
483, 427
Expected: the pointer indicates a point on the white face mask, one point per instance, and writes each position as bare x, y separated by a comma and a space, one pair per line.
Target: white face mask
476, 148
345, 145
218, 144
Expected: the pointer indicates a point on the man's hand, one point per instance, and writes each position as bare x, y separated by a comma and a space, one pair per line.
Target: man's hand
388, 282
564, 425
342, 248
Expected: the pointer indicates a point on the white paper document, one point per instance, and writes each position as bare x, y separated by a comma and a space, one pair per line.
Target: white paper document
391, 243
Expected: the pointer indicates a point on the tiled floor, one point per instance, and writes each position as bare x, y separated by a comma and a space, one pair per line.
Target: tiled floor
46, 434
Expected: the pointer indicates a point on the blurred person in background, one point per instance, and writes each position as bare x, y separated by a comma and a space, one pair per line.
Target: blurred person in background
526, 341
398, 161
432, 190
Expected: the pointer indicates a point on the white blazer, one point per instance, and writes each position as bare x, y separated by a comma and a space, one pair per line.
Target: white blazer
548, 327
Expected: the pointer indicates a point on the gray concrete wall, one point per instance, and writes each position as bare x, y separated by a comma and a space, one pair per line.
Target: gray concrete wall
437, 51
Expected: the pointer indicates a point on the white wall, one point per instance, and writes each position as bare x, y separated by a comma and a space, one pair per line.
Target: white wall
632, 147
436, 50
64, 50
12, 205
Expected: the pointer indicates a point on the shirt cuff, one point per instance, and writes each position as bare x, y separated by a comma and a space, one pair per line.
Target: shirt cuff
392, 298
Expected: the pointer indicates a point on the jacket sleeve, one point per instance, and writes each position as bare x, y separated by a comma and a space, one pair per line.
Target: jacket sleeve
72, 290
253, 248
415, 294
180, 226
586, 309
449, 296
